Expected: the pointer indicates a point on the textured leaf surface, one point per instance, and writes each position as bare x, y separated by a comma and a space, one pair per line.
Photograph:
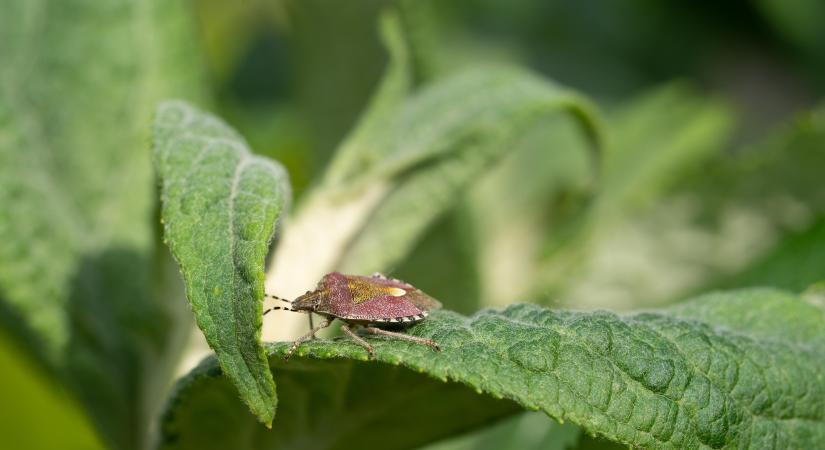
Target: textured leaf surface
413, 153
74, 167
78, 83
220, 208
721, 371
447, 136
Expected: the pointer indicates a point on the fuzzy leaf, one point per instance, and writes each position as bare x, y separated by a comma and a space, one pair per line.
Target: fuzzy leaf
410, 158
220, 208
722, 370
79, 282
443, 139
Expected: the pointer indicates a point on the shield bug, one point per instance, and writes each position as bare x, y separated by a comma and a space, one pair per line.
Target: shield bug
374, 304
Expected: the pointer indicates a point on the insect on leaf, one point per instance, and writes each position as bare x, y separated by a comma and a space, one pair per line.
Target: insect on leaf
720, 371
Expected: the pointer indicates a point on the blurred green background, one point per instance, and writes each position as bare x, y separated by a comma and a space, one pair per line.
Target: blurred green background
686, 88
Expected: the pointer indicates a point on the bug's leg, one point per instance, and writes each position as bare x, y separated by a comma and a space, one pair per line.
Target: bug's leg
306, 337
404, 337
311, 325
359, 340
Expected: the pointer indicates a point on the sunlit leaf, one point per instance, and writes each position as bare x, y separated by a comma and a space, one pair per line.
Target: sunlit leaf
220, 207
722, 370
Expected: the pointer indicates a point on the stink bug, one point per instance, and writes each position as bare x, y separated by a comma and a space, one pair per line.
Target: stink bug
376, 304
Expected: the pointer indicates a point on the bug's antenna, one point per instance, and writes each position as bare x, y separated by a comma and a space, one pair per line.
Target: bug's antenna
282, 308
275, 297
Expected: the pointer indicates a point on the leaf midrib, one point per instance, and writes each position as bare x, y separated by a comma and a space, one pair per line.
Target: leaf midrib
243, 162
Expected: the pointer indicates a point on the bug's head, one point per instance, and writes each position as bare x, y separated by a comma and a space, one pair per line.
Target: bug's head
307, 302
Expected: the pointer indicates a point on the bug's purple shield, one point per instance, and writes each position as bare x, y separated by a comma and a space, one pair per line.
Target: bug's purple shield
377, 299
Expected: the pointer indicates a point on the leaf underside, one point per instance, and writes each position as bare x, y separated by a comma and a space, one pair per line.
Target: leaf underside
220, 207
722, 370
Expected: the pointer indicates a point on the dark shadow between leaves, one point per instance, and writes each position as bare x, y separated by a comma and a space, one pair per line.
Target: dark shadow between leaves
122, 334
14, 326
328, 404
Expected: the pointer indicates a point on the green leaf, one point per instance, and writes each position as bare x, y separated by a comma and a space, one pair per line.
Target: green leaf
333, 98
722, 370
797, 262
220, 208
330, 405
443, 264
448, 136
75, 176
78, 269
510, 230
412, 155
797, 22
443, 139
482, 102
359, 148
651, 143
37, 401
725, 218
655, 141
528, 431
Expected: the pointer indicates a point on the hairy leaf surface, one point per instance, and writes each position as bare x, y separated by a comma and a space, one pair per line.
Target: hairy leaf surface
220, 208
413, 153
415, 150
720, 371
446, 137
78, 82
